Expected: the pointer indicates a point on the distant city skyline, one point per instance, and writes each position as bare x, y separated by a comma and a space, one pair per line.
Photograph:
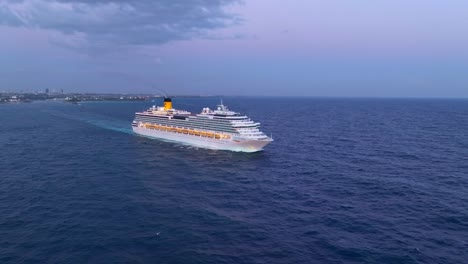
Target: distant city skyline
337, 48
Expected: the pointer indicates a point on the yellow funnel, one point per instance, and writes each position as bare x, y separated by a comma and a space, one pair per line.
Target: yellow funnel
167, 103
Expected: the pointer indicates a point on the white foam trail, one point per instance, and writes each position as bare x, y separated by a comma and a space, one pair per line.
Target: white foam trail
98, 121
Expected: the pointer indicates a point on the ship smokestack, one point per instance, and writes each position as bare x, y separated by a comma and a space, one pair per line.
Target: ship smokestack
167, 103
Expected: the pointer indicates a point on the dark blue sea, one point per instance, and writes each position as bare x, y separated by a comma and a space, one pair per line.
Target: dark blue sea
345, 181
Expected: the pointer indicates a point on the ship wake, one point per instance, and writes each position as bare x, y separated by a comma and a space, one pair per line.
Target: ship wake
97, 121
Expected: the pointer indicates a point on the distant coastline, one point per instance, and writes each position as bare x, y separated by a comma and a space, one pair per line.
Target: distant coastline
20, 97
78, 97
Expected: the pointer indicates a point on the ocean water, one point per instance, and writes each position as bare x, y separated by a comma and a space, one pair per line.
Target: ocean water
345, 181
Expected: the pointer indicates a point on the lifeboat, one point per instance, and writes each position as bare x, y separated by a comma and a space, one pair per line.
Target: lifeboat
187, 131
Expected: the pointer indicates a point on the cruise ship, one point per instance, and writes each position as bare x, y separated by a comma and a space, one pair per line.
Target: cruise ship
221, 128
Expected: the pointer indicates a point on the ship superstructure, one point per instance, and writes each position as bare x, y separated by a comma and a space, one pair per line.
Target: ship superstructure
215, 129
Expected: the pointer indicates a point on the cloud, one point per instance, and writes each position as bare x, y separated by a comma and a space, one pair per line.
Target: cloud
104, 23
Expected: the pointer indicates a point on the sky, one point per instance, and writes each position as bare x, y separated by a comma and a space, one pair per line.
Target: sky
344, 48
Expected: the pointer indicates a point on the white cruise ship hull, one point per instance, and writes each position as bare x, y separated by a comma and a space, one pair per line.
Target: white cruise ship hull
203, 142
